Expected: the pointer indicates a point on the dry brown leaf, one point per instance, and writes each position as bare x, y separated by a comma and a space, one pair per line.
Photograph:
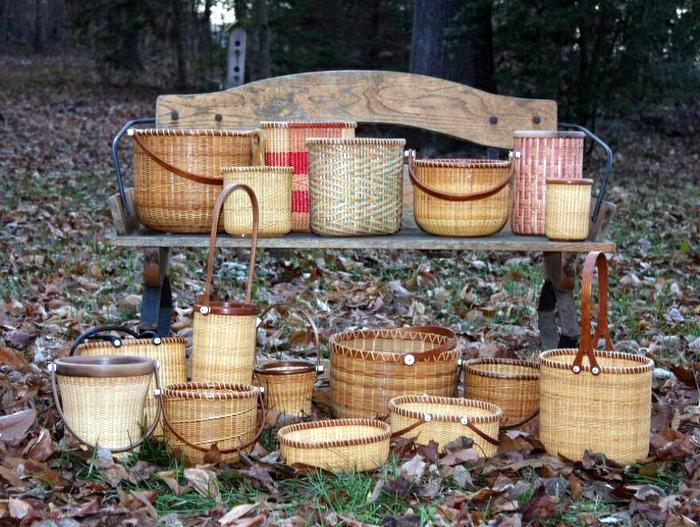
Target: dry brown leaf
14, 359
41, 447
14, 427
238, 512
203, 481
18, 508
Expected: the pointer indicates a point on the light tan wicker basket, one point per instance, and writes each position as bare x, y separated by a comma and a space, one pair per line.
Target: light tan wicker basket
444, 419
199, 415
272, 187
568, 209
355, 186
460, 197
511, 384
595, 400
223, 333
101, 399
336, 445
370, 367
177, 173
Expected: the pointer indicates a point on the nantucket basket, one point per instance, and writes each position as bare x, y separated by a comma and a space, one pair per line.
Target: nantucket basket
199, 416
101, 399
541, 155
460, 197
285, 146
444, 419
168, 351
355, 186
568, 207
511, 384
223, 332
177, 174
273, 189
289, 384
595, 400
370, 367
336, 445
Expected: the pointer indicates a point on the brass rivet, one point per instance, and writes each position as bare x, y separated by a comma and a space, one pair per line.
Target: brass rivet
536, 119
493, 119
218, 117
174, 115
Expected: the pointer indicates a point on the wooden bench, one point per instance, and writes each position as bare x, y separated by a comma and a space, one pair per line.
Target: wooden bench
367, 97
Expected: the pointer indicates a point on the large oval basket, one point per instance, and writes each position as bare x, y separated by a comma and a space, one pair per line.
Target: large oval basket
337, 444
370, 367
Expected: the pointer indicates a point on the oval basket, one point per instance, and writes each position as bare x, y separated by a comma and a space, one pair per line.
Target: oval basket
370, 367
511, 384
337, 444
444, 419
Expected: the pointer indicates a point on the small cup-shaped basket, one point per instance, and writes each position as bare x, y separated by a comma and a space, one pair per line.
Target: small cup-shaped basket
568, 206
336, 445
444, 419
273, 189
511, 384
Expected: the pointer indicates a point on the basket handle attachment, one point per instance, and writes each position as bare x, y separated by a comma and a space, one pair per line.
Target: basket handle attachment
312, 324
205, 309
464, 420
587, 346
59, 409
451, 196
258, 433
258, 148
410, 359
102, 333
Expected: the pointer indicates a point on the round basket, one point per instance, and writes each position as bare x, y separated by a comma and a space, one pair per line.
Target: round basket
568, 209
511, 384
460, 197
177, 174
200, 415
444, 419
273, 189
370, 367
355, 186
336, 445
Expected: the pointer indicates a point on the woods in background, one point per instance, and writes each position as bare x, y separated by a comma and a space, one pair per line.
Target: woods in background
611, 57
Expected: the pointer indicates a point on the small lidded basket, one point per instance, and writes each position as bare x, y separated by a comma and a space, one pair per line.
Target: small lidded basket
568, 209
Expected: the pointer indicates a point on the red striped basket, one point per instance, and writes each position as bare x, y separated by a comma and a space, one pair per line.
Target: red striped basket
285, 145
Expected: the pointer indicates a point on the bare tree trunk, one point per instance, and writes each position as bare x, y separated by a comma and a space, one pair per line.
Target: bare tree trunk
176, 36
263, 38
38, 42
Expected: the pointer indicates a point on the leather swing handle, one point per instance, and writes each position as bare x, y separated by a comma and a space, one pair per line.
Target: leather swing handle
212, 240
522, 421
483, 435
97, 333
587, 345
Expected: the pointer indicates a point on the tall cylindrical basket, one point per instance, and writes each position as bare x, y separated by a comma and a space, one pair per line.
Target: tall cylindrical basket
568, 209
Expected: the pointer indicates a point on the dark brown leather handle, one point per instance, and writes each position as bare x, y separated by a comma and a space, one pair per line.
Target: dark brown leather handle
450, 196
228, 189
420, 356
587, 346
471, 426
521, 422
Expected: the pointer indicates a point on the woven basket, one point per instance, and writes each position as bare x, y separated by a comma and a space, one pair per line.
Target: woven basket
285, 145
539, 156
273, 189
101, 399
460, 197
223, 332
169, 352
336, 445
177, 174
289, 385
595, 400
198, 416
355, 186
370, 367
444, 419
568, 209
512, 385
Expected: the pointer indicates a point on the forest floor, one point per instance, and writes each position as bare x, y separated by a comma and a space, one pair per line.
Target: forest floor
59, 276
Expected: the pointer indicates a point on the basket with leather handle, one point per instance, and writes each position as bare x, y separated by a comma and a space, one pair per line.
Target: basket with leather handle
177, 173
223, 332
460, 197
370, 367
591, 399
289, 384
168, 351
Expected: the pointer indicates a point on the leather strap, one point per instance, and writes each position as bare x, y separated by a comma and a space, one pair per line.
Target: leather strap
469, 425
420, 356
587, 346
212, 240
407, 429
99, 333
522, 422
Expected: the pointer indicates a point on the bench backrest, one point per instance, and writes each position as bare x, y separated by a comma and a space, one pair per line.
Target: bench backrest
366, 97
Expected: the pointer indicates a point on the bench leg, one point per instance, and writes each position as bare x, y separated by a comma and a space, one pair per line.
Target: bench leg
157, 302
557, 304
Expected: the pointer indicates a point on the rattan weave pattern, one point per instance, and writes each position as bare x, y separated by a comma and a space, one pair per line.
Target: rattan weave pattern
568, 206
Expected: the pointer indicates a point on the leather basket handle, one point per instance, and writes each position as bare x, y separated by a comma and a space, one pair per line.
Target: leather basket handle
258, 148
586, 345
101, 333
483, 435
228, 189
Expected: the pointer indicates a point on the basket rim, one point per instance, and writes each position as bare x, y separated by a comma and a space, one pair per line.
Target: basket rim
280, 170
468, 368
457, 402
548, 133
192, 132
208, 390
130, 342
300, 366
308, 124
383, 435
104, 366
461, 163
568, 181
222, 307
645, 363
355, 141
